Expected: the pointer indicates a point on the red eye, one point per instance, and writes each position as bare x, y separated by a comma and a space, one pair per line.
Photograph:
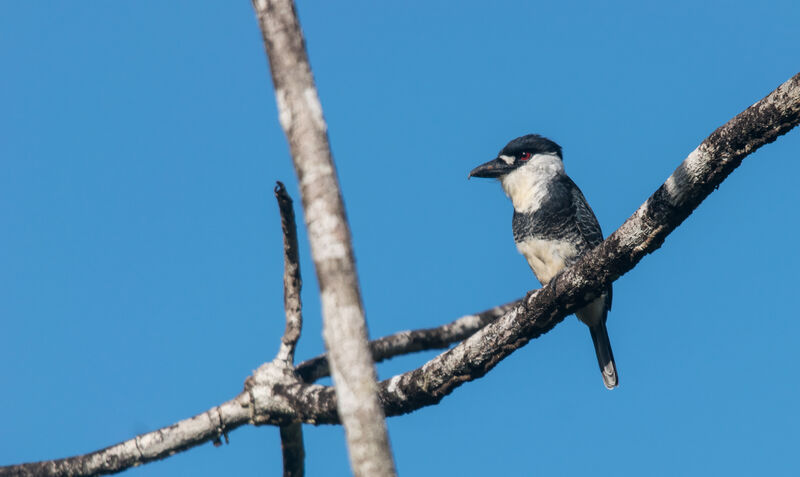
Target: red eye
524, 156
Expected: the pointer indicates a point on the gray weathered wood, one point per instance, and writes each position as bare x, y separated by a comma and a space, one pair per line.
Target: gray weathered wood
344, 324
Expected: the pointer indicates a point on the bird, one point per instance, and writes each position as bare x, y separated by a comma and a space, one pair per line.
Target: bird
553, 225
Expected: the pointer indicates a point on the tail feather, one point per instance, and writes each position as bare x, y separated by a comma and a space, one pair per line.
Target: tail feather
605, 358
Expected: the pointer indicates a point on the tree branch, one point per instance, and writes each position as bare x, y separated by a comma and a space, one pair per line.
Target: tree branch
294, 453
292, 283
344, 325
204, 427
292, 447
274, 398
644, 232
411, 341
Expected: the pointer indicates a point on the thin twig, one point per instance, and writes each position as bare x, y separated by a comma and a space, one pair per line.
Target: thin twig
292, 283
411, 341
291, 434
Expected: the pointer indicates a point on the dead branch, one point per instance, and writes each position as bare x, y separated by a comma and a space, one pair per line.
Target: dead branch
292, 283
344, 325
292, 447
412, 341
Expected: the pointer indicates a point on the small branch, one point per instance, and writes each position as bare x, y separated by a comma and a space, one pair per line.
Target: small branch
293, 451
160, 444
292, 283
406, 342
291, 434
344, 324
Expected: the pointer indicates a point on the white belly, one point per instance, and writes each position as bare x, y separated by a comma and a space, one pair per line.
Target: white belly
546, 257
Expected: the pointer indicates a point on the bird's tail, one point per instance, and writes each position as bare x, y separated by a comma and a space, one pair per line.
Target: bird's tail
605, 358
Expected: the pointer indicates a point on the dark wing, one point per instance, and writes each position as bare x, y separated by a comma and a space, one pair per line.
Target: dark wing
587, 224
586, 221
564, 215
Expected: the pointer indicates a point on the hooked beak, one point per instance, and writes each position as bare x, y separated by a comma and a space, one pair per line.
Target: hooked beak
494, 168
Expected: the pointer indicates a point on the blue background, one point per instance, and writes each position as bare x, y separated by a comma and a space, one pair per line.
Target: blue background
140, 247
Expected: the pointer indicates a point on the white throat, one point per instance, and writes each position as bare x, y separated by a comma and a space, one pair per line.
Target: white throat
526, 186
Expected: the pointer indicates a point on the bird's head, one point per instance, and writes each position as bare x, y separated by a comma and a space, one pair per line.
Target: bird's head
518, 153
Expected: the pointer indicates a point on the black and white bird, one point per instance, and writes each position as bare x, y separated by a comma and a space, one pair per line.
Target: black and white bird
553, 225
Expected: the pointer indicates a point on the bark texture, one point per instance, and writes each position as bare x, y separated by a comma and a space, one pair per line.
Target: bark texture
344, 325
204, 427
292, 283
276, 397
411, 341
292, 447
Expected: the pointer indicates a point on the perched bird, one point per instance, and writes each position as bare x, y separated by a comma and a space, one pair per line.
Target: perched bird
553, 225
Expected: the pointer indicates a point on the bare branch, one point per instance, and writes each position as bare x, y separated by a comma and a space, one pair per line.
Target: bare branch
291, 434
293, 451
292, 283
403, 342
644, 232
344, 325
144, 448
406, 342
272, 397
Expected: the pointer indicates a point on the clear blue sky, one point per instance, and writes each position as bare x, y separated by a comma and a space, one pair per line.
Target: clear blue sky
141, 260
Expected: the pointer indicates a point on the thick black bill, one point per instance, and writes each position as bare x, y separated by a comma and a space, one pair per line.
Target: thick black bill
494, 168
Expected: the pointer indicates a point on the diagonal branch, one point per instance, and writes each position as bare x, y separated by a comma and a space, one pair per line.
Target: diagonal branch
344, 325
277, 400
642, 233
411, 341
159, 444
